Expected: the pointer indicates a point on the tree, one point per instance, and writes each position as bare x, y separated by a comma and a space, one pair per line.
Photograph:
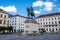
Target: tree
3, 29
0, 28
10, 28
42, 30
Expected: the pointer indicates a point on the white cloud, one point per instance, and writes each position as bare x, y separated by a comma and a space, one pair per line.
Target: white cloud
36, 11
58, 9
48, 9
37, 3
9, 8
47, 5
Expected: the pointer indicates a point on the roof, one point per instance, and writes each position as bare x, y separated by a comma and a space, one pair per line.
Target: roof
48, 15
19, 16
2, 11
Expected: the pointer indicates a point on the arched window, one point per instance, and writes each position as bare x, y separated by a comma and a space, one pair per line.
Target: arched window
0, 15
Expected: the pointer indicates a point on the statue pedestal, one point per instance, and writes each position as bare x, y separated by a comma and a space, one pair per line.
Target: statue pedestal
31, 27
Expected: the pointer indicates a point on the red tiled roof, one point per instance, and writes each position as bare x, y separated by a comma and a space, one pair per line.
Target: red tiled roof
47, 15
19, 16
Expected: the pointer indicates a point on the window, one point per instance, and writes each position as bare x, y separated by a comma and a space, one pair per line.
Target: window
15, 20
52, 18
55, 18
0, 15
0, 21
58, 17
56, 29
10, 24
38, 19
15, 23
49, 18
55, 25
49, 22
50, 29
52, 23
19, 26
49, 26
43, 26
46, 22
55, 22
47, 29
59, 28
5, 16
41, 23
4, 21
59, 22
46, 19
15, 17
15, 27
43, 19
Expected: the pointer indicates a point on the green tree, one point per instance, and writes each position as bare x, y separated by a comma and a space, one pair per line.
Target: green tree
42, 30
10, 28
3, 29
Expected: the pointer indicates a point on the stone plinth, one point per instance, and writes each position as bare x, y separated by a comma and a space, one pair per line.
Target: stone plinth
31, 26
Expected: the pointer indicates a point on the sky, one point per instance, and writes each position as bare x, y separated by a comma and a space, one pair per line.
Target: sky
40, 7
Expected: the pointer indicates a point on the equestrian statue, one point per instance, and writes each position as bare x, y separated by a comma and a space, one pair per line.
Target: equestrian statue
30, 13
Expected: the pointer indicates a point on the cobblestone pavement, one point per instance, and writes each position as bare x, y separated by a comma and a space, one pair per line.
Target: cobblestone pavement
39, 37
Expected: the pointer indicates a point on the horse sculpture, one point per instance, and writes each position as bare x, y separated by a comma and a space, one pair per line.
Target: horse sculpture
30, 13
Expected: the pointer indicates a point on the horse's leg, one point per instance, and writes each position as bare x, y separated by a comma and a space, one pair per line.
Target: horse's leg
34, 16
28, 15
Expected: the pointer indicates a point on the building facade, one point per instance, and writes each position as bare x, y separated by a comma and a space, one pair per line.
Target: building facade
17, 22
3, 18
49, 22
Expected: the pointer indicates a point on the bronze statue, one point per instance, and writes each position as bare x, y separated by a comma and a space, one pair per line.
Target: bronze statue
30, 13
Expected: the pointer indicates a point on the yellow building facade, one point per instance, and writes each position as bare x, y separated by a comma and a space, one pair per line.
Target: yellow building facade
3, 18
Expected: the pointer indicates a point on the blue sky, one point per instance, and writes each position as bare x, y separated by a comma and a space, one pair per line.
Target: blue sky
41, 7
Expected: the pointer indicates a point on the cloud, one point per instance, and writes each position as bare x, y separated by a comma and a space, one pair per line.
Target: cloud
9, 8
58, 9
47, 5
36, 11
37, 3
48, 9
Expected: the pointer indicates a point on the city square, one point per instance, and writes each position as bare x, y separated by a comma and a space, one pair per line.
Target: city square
30, 20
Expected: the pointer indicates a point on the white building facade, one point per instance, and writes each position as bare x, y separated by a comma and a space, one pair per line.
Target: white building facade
17, 22
49, 22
